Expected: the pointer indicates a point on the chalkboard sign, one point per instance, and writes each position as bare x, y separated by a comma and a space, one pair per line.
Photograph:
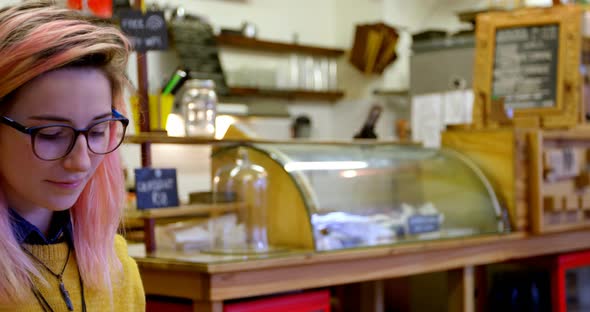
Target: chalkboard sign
145, 31
528, 59
155, 188
525, 66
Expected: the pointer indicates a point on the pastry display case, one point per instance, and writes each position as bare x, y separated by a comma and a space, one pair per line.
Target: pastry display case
332, 196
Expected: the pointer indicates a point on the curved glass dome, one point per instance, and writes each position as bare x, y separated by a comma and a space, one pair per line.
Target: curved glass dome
357, 195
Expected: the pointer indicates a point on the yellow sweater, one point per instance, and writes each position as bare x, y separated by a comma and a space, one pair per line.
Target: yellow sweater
127, 293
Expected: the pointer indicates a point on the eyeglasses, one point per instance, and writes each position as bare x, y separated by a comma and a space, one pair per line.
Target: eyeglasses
52, 142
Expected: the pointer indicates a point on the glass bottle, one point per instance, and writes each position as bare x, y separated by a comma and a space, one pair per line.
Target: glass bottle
247, 183
198, 102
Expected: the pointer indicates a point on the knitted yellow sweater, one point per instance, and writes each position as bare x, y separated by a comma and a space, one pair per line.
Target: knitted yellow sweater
127, 293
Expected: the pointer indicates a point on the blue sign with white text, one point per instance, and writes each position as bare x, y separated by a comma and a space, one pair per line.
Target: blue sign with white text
155, 188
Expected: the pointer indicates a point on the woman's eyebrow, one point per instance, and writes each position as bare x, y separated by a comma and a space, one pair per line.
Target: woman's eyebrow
62, 119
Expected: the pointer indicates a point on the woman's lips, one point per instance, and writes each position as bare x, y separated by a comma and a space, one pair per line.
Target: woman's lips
70, 184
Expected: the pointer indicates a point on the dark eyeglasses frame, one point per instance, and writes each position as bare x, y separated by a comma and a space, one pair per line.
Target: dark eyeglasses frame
32, 131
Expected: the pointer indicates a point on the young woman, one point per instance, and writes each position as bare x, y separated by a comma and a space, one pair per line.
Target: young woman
61, 185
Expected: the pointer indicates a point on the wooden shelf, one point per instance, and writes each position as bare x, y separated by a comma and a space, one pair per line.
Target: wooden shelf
388, 92
162, 138
328, 96
238, 41
186, 210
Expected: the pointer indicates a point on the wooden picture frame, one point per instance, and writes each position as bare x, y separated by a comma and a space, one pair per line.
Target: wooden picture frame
534, 74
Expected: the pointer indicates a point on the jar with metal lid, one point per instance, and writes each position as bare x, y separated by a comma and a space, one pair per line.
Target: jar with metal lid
198, 102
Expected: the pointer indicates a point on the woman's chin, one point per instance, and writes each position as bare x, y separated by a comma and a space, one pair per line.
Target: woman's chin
61, 205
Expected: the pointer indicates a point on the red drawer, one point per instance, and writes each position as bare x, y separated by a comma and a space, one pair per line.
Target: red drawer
316, 301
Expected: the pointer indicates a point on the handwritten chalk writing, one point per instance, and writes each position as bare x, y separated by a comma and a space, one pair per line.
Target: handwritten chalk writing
160, 199
133, 23
525, 66
511, 35
146, 31
154, 185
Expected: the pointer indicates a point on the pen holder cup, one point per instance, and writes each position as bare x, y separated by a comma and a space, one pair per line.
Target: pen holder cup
160, 105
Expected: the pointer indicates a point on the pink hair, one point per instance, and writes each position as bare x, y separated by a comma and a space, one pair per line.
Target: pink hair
36, 38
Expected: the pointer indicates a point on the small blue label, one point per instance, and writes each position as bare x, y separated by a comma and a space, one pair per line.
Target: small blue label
423, 224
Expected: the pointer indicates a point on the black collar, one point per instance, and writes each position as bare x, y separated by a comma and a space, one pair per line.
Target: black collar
60, 229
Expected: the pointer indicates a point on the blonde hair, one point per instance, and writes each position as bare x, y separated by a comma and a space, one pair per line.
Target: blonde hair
35, 38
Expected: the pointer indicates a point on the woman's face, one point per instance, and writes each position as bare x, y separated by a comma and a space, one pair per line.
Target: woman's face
70, 96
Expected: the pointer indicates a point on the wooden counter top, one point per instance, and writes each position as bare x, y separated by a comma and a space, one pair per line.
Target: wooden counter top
215, 278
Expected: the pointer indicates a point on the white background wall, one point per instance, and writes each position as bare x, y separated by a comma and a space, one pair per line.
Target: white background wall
327, 23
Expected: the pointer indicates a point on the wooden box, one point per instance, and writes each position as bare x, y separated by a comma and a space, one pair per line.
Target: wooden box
541, 177
502, 156
560, 179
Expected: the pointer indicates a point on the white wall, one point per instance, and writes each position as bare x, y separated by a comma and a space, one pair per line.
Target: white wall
276, 19
329, 23
443, 14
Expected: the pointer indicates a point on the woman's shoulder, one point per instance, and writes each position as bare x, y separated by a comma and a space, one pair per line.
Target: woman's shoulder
130, 285
122, 252
120, 246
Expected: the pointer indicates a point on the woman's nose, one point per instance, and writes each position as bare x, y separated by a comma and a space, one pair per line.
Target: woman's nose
79, 157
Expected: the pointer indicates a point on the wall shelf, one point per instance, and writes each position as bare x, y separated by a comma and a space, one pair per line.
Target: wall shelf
239, 41
163, 138
242, 42
329, 96
392, 92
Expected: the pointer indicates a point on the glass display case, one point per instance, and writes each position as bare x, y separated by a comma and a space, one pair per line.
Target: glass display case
336, 196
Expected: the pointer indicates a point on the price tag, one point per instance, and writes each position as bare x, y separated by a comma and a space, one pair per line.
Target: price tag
155, 188
423, 224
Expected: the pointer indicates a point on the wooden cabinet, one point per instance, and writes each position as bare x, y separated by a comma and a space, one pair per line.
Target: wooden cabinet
540, 176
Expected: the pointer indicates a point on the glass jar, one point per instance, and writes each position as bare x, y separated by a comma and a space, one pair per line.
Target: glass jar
246, 231
198, 102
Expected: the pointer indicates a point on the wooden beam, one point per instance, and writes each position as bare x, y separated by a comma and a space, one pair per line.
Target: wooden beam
143, 98
461, 290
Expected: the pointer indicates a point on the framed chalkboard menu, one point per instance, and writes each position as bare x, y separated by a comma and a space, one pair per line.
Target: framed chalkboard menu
528, 61
525, 66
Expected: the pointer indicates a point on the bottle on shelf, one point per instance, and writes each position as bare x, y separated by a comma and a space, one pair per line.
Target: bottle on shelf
368, 129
